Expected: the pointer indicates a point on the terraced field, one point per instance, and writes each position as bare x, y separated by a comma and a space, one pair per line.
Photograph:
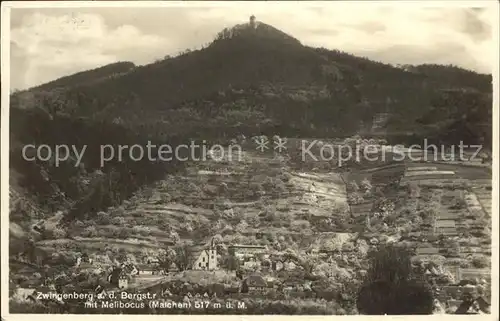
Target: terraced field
482, 190
461, 200
253, 195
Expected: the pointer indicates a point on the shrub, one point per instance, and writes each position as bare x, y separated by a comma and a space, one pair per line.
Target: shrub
118, 221
59, 233
459, 204
366, 185
253, 219
119, 211
270, 216
480, 261
79, 224
89, 231
352, 186
355, 198
298, 226
165, 198
414, 190
285, 177
123, 233
175, 237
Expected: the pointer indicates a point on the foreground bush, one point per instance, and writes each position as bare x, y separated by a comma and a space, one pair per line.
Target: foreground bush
391, 286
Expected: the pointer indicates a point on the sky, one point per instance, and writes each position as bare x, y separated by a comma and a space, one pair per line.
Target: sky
50, 43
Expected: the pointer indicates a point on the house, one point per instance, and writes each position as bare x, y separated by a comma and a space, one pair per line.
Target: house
123, 280
473, 306
277, 265
456, 272
84, 258
205, 258
120, 278
172, 268
129, 269
100, 290
253, 283
113, 276
432, 271
290, 266
49, 283
290, 285
86, 266
83, 261
427, 251
25, 294
472, 274
251, 263
240, 251
146, 269
151, 260
445, 223
49, 294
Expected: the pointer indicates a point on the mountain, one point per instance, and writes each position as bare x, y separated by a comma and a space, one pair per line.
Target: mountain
251, 79
258, 74
87, 77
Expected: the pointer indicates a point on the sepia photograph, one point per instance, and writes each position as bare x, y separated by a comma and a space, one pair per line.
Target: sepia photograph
249, 158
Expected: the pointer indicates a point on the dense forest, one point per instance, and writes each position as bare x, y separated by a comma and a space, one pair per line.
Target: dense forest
88, 187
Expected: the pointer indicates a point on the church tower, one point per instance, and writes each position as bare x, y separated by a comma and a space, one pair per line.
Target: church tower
212, 256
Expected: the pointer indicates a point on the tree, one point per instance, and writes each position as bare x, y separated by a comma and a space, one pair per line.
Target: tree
480, 261
90, 231
103, 218
59, 233
166, 259
391, 287
175, 237
230, 261
218, 239
366, 185
242, 226
307, 261
326, 270
253, 219
118, 221
165, 198
347, 247
414, 190
188, 227
183, 256
331, 245
390, 263
383, 207
352, 186
355, 198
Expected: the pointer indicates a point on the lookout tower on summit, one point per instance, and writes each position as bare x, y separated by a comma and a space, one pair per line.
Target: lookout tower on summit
253, 23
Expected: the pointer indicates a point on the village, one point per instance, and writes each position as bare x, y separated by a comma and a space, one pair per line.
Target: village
252, 260
259, 272
215, 267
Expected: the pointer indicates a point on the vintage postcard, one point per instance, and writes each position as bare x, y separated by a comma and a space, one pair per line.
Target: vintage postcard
249, 158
